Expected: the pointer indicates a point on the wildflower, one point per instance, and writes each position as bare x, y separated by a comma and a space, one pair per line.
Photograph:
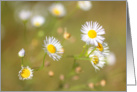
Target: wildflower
97, 60
103, 48
57, 9
21, 53
37, 21
84, 5
111, 59
92, 32
24, 15
53, 47
25, 73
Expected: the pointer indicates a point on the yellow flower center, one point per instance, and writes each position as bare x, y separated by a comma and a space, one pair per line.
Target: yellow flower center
37, 24
95, 59
25, 73
56, 11
92, 33
100, 47
51, 48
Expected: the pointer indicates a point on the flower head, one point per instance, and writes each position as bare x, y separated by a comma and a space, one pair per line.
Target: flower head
103, 48
57, 9
21, 53
24, 15
97, 59
37, 21
25, 73
84, 5
92, 32
53, 48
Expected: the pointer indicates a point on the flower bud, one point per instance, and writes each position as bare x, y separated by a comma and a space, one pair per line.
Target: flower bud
91, 85
51, 73
66, 34
103, 83
21, 53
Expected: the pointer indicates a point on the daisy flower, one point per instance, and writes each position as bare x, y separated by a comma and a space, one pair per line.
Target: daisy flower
21, 53
103, 48
24, 15
92, 32
53, 48
57, 9
25, 73
84, 5
37, 21
97, 59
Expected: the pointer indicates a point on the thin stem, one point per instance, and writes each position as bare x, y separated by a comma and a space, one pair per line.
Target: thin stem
83, 50
92, 51
43, 63
22, 61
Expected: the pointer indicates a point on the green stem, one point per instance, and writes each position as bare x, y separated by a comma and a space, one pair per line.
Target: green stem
22, 61
43, 63
92, 51
83, 50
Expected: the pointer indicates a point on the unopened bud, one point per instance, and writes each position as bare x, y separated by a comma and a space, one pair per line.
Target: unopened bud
103, 83
66, 34
91, 85
61, 77
21, 53
51, 73
78, 69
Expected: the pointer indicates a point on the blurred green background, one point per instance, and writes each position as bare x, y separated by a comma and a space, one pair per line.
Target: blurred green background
110, 14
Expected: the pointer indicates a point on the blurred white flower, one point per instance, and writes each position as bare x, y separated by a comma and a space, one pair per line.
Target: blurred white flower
25, 73
111, 59
92, 32
37, 21
24, 15
21, 53
53, 48
84, 5
57, 9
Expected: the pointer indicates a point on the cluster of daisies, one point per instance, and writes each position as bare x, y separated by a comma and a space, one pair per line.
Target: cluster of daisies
91, 34
98, 52
56, 9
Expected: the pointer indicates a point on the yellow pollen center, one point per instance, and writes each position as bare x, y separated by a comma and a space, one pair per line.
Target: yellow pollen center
100, 47
51, 48
37, 24
92, 33
56, 11
95, 59
25, 73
